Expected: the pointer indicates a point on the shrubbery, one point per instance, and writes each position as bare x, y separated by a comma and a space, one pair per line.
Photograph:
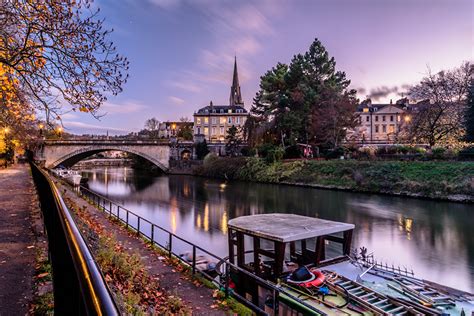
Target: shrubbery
422, 178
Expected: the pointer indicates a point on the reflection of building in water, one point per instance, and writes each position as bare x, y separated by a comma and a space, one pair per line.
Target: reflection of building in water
405, 224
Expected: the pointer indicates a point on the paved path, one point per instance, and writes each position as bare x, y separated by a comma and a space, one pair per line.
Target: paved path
198, 299
17, 253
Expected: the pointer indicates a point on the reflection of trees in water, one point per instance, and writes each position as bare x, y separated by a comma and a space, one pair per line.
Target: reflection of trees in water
141, 180
432, 228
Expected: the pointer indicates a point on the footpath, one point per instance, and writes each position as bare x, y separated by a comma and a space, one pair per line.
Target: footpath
197, 298
18, 203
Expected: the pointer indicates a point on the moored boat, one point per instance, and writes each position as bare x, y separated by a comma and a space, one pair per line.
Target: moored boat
310, 260
71, 176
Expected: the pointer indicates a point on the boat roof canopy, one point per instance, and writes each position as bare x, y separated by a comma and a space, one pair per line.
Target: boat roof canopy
286, 227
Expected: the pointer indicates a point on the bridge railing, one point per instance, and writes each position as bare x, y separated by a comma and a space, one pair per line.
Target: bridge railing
79, 141
78, 285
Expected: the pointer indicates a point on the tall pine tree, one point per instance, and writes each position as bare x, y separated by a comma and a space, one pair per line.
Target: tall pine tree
290, 94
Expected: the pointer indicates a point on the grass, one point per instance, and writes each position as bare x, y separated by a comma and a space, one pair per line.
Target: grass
128, 267
432, 179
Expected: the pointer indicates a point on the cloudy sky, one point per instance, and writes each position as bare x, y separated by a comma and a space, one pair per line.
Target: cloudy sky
181, 52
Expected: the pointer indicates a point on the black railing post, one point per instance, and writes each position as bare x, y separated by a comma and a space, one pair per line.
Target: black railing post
170, 245
126, 219
152, 237
226, 287
194, 259
118, 211
138, 225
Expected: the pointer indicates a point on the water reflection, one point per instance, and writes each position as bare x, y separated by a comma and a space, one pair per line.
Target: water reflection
433, 238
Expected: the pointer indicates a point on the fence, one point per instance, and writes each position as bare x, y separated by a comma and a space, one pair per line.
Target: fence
167, 241
78, 285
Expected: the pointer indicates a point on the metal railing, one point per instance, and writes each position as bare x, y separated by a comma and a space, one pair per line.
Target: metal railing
167, 241
78, 285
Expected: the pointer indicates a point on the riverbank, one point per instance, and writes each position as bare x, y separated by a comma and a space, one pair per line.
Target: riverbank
443, 180
145, 281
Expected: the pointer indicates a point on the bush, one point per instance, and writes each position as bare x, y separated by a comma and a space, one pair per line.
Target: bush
264, 149
275, 155
292, 152
247, 151
335, 153
438, 152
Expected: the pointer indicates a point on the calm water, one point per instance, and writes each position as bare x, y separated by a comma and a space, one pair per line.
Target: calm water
436, 239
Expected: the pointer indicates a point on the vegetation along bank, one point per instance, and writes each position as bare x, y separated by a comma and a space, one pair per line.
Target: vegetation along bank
446, 180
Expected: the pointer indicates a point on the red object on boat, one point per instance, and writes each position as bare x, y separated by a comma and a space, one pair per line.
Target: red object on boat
318, 280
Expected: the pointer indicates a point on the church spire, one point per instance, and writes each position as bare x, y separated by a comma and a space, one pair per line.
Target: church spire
235, 96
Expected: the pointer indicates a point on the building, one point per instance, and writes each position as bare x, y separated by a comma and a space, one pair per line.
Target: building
381, 123
212, 122
172, 129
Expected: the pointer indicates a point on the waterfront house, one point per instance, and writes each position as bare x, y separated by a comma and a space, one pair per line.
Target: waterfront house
381, 123
213, 121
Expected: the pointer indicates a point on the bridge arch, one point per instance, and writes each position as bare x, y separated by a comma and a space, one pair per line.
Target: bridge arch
77, 155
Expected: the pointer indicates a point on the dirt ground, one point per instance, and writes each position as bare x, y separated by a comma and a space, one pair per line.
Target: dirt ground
17, 241
198, 298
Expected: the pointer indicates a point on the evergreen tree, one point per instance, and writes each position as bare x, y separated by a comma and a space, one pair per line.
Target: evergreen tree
289, 95
233, 141
201, 150
469, 114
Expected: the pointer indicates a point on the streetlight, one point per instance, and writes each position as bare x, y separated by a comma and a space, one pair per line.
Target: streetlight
6, 130
407, 118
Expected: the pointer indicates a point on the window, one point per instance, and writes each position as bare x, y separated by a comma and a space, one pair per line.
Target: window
391, 118
376, 118
214, 120
198, 130
229, 120
206, 131
367, 118
206, 120
237, 120
222, 111
198, 120
229, 111
383, 118
214, 131
223, 119
384, 128
376, 128
365, 110
391, 128
222, 130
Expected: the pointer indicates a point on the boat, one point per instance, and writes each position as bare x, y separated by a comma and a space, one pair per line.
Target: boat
71, 176
311, 263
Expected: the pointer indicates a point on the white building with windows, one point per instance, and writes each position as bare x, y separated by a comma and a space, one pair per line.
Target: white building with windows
212, 122
381, 123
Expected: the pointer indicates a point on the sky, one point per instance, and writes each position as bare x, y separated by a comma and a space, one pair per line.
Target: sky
181, 52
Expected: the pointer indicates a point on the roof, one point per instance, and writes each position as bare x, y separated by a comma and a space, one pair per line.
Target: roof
377, 107
286, 227
218, 108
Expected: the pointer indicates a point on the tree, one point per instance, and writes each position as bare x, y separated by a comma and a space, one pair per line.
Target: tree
469, 114
286, 106
233, 141
333, 117
186, 129
152, 126
53, 52
201, 150
438, 117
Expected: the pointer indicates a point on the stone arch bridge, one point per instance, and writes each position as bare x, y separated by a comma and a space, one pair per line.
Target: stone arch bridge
69, 152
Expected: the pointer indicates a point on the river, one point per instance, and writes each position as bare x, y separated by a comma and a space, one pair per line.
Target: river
435, 239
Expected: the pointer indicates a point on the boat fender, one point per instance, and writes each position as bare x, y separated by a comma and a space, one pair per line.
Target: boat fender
324, 290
